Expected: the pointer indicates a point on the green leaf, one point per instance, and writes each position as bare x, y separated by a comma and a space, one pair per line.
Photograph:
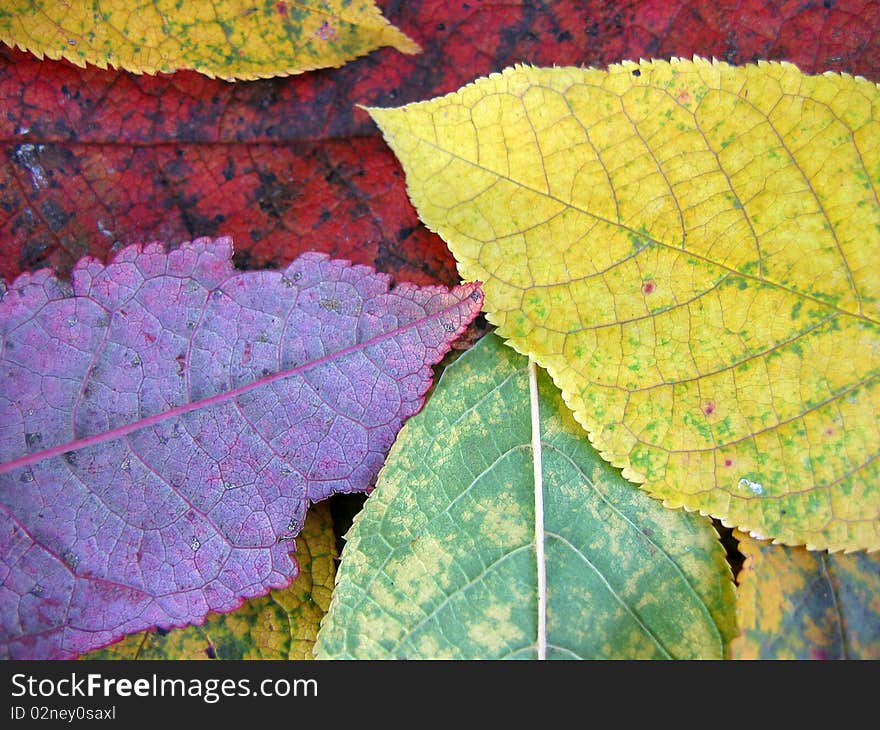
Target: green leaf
442, 561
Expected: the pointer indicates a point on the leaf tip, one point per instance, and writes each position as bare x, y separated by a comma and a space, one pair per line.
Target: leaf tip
403, 43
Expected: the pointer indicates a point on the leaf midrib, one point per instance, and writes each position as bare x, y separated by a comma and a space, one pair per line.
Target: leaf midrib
538, 474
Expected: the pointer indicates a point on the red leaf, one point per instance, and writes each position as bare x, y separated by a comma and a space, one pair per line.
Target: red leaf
166, 424
96, 159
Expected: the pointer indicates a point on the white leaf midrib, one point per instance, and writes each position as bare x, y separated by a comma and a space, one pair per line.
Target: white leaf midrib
538, 470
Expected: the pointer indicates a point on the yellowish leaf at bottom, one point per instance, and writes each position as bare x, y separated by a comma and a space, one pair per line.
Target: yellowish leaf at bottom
690, 249
796, 604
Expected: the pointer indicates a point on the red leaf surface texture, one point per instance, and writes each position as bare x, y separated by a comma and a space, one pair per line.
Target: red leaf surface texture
165, 422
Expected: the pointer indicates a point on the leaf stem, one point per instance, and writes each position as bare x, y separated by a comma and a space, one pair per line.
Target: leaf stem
539, 510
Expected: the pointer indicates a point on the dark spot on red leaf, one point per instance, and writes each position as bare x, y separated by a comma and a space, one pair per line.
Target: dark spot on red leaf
229, 170
34, 253
405, 232
274, 197
54, 215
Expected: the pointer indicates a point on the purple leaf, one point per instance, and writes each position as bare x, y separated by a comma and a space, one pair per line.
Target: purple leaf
165, 424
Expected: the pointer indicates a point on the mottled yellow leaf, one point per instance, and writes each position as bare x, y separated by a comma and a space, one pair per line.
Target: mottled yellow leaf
690, 249
796, 604
281, 625
230, 39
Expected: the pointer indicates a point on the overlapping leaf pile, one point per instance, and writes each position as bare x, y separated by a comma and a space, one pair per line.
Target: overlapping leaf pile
686, 247
95, 160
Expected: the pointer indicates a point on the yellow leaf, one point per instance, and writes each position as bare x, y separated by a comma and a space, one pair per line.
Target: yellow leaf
281, 625
690, 249
230, 39
795, 604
